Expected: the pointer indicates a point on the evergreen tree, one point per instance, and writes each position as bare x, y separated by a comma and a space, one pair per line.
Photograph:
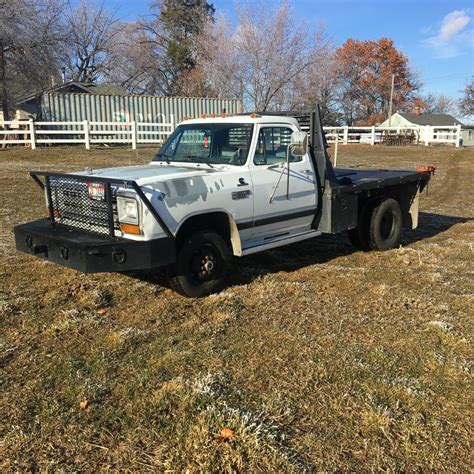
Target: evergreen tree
182, 21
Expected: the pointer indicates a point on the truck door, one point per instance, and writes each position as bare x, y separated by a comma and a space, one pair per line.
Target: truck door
279, 208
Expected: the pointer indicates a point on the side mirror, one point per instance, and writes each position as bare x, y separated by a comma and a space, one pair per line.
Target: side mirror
299, 143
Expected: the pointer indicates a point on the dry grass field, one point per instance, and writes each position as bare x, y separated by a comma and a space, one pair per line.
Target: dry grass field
315, 357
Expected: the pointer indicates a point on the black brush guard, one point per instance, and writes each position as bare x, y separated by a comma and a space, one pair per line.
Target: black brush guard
69, 204
80, 231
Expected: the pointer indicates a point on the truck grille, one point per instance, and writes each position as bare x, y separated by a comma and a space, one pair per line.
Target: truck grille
73, 207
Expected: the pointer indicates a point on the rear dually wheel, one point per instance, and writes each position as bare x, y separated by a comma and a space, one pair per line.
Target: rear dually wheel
379, 226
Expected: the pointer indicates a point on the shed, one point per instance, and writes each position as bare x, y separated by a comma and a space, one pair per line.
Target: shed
30, 105
76, 102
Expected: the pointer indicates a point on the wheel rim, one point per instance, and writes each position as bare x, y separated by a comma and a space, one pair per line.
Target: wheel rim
204, 264
387, 225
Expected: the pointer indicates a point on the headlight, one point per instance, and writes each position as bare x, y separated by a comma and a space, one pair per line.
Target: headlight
127, 210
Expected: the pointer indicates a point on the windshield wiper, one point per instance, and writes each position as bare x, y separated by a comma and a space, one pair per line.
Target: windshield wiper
202, 160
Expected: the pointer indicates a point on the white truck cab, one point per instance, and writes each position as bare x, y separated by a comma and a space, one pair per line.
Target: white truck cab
219, 186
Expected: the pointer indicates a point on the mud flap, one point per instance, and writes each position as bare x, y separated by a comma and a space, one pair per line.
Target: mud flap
414, 210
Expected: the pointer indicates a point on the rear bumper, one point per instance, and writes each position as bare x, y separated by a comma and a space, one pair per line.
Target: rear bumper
88, 253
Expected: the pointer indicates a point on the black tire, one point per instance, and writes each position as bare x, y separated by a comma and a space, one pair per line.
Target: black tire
354, 237
385, 225
201, 266
359, 236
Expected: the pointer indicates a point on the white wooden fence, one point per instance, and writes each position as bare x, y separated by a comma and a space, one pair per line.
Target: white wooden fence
425, 134
135, 133
85, 133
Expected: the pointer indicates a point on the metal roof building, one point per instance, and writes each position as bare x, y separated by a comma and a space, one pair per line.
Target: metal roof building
74, 102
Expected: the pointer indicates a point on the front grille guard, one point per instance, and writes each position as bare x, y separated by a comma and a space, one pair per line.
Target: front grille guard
45, 185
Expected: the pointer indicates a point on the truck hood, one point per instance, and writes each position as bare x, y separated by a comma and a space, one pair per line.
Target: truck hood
148, 174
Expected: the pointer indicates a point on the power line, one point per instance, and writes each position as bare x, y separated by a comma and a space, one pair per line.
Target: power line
450, 76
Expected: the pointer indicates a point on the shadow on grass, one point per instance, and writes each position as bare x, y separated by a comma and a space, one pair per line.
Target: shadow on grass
314, 251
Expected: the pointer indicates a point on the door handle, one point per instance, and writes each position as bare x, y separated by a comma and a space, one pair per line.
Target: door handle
307, 171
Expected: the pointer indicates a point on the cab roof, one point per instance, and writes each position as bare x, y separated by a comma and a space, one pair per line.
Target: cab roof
244, 119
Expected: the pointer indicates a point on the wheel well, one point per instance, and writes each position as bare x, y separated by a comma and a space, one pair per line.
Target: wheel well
217, 221
403, 194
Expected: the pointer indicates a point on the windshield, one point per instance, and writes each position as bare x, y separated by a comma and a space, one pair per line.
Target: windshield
214, 144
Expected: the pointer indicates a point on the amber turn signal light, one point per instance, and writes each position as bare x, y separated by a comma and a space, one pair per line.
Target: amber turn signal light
130, 229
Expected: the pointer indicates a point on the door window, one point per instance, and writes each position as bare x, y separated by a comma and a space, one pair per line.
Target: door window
272, 146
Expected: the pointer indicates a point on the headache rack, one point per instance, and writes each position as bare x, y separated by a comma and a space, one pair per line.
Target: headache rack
73, 202
303, 117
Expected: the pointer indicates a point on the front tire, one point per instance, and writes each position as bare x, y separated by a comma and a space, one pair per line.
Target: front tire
201, 266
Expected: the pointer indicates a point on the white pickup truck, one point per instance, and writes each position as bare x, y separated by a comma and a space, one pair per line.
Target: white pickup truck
219, 186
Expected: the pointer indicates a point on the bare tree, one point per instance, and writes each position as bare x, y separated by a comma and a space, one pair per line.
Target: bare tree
132, 60
30, 32
439, 104
466, 104
138, 53
262, 58
222, 65
90, 30
318, 83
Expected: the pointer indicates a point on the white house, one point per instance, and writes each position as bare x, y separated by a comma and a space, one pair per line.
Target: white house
431, 127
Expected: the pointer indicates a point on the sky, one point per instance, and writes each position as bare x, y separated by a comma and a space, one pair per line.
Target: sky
436, 35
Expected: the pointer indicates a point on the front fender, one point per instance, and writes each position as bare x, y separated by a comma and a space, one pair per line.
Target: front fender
234, 232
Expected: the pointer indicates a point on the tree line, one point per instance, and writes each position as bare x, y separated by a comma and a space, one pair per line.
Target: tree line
266, 58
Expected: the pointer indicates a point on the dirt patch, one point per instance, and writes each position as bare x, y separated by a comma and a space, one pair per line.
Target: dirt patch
315, 357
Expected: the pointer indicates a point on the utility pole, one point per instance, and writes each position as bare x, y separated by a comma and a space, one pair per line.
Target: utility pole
3, 85
391, 101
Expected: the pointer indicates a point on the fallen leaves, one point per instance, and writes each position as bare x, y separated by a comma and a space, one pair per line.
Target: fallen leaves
84, 405
225, 434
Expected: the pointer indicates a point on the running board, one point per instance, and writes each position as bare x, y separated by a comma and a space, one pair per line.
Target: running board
280, 242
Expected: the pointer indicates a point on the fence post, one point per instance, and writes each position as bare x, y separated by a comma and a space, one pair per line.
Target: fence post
346, 135
458, 136
133, 130
87, 137
372, 136
427, 133
32, 134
